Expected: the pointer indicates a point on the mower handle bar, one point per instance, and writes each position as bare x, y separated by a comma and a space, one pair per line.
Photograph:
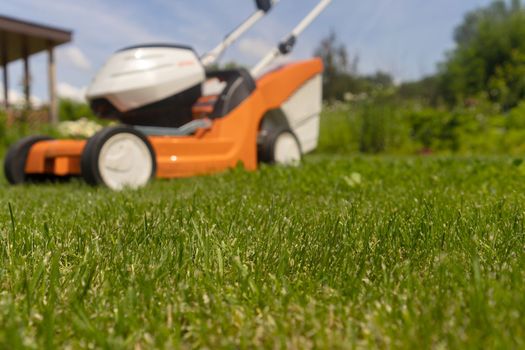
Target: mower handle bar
286, 46
263, 7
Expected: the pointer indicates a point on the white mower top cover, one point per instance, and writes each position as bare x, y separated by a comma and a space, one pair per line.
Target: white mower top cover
139, 76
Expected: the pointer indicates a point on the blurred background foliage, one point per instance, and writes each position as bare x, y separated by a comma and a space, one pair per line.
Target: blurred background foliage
474, 104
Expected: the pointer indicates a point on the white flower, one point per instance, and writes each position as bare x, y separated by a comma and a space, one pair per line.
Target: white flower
80, 128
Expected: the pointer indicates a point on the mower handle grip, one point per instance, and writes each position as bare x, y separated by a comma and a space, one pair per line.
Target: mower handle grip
264, 5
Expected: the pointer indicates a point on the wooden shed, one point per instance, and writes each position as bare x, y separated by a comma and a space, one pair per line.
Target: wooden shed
21, 39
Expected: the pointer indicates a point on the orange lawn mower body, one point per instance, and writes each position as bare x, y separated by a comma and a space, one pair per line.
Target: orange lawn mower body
180, 119
229, 141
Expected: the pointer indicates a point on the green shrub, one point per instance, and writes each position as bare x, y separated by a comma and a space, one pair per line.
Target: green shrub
516, 117
11, 133
70, 110
385, 125
432, 129
372, 126
339, 129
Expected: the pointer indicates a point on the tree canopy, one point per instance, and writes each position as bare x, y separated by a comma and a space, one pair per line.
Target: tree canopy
341, 75
489, 58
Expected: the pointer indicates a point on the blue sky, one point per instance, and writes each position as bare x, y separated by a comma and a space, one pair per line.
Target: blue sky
404, 37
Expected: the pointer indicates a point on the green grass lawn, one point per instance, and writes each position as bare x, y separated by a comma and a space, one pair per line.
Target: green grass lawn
342, 252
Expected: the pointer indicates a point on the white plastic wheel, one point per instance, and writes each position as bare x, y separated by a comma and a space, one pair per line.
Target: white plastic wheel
287, 150
125, 161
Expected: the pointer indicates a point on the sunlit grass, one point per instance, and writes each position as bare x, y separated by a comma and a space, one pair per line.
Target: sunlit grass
342, 252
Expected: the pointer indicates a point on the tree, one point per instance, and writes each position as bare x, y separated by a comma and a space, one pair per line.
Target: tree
341, 71
489, 58
469, 29
339, 68
425, 89
380, 79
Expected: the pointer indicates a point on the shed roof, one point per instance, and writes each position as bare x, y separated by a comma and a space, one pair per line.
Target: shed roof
18, 37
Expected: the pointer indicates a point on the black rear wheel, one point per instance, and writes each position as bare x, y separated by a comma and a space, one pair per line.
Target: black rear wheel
16, 159
281, 147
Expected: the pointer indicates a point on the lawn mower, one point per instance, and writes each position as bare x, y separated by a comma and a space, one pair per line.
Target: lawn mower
181, 118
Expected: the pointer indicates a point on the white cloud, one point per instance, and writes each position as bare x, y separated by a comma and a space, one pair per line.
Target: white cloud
71, 92
64, 90
17, 98
254, 48
75, 56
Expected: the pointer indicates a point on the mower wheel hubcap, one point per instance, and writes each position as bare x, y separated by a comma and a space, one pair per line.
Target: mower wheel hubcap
287, 150
125, 161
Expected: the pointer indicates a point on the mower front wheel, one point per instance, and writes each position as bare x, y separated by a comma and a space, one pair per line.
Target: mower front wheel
118, 157
280, 147
16, 159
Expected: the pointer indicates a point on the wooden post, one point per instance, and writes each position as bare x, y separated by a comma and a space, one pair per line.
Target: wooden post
53, 102
5, 72
27, 76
